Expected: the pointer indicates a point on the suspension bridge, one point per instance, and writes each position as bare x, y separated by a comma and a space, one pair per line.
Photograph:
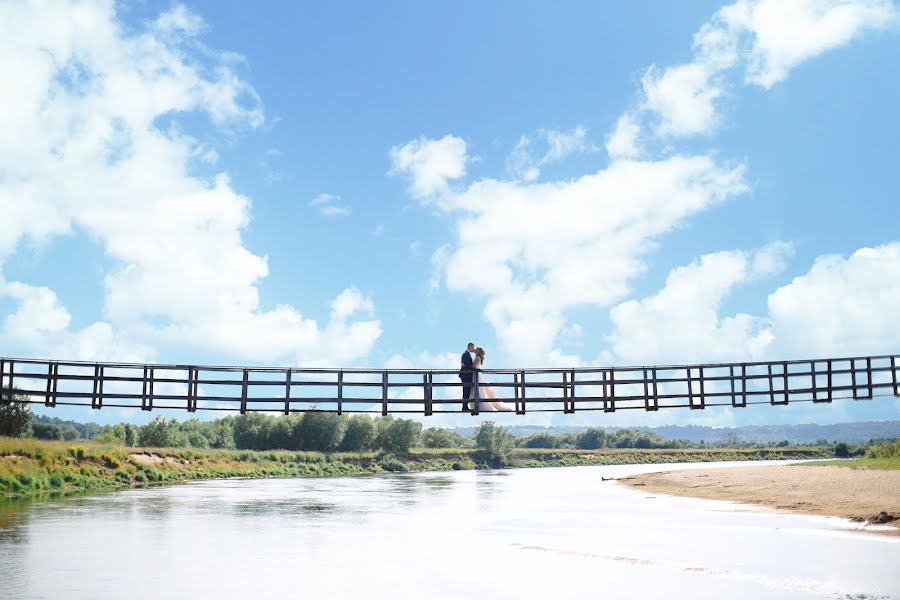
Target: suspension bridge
429, 391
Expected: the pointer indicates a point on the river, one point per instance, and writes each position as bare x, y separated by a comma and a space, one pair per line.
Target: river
524, 533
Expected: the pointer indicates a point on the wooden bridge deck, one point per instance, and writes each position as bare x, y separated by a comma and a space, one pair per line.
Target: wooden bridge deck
427, 391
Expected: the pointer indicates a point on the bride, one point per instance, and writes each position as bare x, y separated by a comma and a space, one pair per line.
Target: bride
482, 393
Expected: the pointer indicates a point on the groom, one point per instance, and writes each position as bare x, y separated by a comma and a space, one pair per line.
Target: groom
466, 374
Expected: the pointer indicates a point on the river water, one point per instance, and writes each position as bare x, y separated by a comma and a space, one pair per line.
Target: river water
525, 533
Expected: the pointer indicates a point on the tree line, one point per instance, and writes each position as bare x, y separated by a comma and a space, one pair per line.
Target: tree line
329, 432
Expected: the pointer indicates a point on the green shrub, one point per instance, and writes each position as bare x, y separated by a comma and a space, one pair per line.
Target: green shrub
391, 463
56, 481
495, 445
399, 435
15, 418
319, 431
359, 434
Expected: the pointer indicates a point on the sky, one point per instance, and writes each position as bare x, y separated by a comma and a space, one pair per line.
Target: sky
377, 183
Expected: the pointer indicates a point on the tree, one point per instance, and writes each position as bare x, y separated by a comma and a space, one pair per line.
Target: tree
438, 437
541, 440
591, 439
15, 417
131, 434
281, 433
495, 444
46, 431
320, 431
250, 431
359, 434
158, 433
841, 450
400, 436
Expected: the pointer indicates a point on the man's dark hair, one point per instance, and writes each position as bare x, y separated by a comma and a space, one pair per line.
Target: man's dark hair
470, 344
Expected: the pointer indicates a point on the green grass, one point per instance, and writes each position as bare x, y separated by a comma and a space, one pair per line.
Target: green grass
884, 457
30, 467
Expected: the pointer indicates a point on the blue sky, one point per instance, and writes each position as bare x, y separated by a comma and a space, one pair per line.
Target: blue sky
375, 184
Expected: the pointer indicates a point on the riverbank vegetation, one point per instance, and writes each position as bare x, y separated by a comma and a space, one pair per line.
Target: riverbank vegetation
884, 456
34, 467
46, 455
328, 432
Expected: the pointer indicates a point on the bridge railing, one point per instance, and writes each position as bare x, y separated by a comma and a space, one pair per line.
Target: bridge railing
430, 391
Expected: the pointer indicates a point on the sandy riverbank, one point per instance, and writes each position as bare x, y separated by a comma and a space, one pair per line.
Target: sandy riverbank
861, 495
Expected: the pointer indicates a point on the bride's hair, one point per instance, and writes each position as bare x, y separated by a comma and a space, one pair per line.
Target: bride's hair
479, 352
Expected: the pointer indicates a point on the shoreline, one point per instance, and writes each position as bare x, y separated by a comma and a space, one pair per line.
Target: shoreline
869, 497
36, 468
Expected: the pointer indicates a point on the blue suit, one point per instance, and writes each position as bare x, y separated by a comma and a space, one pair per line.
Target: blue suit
467, 375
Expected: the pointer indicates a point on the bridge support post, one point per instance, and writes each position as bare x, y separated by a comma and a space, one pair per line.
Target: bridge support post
245, 384
97, 395
52, 373
147, 393
287, 392
427, 392
609, 405
340, 393
520, 407
894, 375
9, 388
651, 392
384, 393
193, 376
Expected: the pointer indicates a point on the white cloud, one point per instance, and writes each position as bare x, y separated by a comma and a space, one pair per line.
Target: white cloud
785, 34
430, 164
683, 97
842, 306
180, 19
682, 323
41, 323
536, 250
525, 165
329, 205
768, 38
623, 141
82, 150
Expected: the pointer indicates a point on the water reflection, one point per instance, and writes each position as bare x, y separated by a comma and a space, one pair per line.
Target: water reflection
431, 536
310, 508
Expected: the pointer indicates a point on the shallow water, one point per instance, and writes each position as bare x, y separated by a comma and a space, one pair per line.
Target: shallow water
525, 533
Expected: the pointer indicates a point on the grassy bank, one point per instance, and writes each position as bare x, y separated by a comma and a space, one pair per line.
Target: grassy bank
31, 467
884, 457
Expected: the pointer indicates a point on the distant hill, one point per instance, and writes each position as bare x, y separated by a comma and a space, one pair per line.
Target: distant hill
852, 433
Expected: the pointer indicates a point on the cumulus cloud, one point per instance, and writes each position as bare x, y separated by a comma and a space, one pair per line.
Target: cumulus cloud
83, 151
525, 163
623, 142
785, 34
683, 98
681, 323
430, 164
842, 306
536, 250
571, 243
765, 38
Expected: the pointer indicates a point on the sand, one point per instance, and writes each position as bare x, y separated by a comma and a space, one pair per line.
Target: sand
862, 495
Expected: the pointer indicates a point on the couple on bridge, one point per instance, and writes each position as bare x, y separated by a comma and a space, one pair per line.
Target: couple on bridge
476, 394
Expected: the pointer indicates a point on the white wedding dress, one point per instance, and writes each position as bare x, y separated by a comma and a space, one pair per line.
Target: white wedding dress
484, 394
